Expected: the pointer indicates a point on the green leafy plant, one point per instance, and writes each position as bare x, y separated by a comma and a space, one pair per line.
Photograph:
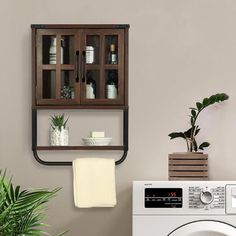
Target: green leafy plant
22, 211
58, 121
191, 133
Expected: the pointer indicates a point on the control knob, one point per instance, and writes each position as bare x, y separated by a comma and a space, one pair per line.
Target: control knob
206, 197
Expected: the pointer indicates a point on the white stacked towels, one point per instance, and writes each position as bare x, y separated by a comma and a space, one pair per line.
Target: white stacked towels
94, 182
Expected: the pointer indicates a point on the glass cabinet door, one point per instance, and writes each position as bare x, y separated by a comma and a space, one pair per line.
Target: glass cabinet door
103, 66
57, 66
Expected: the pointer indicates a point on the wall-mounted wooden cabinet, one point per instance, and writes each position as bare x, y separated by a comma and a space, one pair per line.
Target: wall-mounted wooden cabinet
80, 66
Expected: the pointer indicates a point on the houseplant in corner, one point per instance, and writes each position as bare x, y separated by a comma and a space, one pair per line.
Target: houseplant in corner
59, 133
192, 159
22, 211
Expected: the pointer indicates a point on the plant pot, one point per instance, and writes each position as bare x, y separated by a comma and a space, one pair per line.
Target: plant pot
188, 166
59, 137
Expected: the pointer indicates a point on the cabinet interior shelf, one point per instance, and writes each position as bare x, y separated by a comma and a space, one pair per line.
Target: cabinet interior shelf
80, 148
62, 66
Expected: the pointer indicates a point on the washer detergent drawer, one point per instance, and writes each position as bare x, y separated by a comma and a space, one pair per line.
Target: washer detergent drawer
205, 228
231, 199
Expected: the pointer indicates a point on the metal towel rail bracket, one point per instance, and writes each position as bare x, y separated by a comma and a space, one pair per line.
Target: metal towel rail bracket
69, 163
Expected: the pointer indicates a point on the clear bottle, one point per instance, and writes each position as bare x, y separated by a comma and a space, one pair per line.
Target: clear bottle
90, 87
53, 51
89, 54
111, 84
113, 55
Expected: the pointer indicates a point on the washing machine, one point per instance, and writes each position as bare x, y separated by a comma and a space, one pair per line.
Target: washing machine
184, 208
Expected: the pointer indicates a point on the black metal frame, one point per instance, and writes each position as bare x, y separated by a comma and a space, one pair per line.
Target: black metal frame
69, 163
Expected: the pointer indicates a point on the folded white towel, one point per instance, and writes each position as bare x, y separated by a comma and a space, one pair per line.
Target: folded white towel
94, 182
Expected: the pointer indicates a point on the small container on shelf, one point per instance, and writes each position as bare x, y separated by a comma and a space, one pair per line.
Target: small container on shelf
112, 56
59, 137
97, 139
90, 87
97, 134
89, 54
53, 50
59, 131
111, 85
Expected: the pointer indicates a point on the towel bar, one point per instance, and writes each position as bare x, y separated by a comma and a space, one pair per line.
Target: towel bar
69, 163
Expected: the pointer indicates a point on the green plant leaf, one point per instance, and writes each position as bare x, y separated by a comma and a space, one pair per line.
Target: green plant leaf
205, 102
190, 131
192, 121
58, 121
17, 191
176, 135
223, 97
187, 133
199, 105
204, 145
212, 99
64, 124
220, 97
193, 112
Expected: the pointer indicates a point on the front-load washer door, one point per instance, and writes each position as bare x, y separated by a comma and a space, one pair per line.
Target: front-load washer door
204, 228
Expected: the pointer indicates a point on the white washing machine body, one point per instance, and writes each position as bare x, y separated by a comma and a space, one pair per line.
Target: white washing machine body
184, 208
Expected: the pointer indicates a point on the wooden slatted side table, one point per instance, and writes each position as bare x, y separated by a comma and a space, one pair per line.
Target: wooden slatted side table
188, 166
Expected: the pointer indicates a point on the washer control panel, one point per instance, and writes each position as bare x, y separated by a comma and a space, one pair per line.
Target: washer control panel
184, 198
206, 197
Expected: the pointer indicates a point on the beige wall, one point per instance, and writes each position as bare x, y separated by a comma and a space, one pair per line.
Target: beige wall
180, 51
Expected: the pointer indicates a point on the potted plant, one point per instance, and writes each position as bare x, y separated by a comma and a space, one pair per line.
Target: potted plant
22, 211
59, 134
190, 138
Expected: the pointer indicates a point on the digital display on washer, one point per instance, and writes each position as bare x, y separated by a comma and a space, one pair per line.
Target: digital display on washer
163, 197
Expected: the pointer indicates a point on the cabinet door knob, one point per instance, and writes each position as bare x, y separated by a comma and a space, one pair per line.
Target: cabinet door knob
77, 66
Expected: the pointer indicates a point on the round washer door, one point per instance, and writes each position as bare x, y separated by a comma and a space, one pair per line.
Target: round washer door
205, 228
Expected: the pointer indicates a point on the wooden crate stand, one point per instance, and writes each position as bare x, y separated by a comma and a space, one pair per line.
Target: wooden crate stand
188, 166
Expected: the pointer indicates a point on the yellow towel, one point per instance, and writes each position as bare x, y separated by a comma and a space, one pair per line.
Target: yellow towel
94, 182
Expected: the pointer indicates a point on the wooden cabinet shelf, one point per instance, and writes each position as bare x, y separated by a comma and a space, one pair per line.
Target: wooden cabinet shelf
80, 148
53, 67
111, 67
